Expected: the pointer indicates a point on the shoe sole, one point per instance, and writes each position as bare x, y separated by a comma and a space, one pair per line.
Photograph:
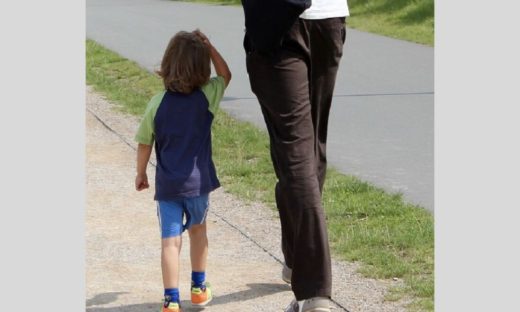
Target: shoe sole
161, 310
202, 303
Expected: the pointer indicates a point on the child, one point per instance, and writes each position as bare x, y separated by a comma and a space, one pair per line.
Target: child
179, 120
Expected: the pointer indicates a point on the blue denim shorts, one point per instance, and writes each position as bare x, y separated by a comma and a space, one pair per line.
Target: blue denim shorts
176, 216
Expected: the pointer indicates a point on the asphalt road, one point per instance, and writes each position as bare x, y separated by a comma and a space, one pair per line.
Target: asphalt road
381, 123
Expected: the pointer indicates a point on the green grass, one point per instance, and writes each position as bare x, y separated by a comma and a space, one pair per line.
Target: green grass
387, 236
411, 20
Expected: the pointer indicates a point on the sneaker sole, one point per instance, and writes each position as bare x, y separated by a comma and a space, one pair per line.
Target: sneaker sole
202, 303
161, 310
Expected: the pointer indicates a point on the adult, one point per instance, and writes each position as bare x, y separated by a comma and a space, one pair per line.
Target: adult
293, 51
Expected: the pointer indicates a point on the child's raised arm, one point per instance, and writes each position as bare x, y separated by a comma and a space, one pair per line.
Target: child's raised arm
218, 61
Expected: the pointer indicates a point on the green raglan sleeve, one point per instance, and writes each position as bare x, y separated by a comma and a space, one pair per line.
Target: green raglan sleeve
214, 91
145, 132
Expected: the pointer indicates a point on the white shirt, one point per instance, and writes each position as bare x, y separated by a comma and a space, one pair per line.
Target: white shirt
321, 9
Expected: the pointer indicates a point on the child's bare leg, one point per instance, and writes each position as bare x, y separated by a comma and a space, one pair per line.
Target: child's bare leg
198, 247
200, 289
171, 248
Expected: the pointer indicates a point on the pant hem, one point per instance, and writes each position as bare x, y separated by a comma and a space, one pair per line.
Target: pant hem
311, 293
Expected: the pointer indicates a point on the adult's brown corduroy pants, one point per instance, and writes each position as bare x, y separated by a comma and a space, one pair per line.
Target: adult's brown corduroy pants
294, 86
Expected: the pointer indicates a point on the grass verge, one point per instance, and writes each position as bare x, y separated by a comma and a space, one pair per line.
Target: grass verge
388, 237
410, 20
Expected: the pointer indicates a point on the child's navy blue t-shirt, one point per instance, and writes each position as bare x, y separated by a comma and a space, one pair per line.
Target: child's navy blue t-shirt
180, 126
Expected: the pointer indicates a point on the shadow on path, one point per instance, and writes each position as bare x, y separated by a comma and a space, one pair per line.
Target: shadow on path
105, 298
144, 307
255, 290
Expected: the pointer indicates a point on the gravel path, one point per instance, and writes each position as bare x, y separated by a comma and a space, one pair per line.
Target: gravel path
123, 243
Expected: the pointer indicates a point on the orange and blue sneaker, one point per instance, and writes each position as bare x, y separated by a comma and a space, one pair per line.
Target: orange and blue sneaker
170, 306
200, 296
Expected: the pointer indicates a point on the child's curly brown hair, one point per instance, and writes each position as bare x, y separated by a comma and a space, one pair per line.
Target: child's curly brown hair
186, 63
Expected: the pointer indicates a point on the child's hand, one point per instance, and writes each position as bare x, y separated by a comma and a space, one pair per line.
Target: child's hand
141, 182
203, 37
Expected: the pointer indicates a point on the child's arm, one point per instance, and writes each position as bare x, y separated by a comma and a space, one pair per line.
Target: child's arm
143, 156
218, 61
220, 64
